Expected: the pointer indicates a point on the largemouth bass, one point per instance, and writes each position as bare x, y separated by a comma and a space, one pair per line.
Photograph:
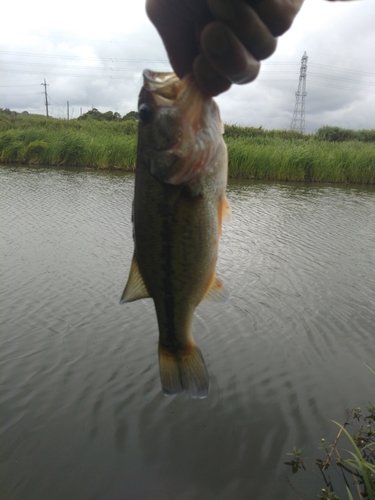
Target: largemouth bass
179, 205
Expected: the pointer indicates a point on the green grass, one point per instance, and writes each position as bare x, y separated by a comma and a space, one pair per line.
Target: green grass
302, 160
331, 155
41, 141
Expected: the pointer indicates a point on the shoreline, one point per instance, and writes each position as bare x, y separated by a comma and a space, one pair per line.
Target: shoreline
331, 155
230, 177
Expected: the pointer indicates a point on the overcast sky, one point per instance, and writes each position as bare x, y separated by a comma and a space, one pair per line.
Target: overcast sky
93, 54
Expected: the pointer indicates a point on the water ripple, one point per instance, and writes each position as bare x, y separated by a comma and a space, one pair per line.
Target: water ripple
82, 413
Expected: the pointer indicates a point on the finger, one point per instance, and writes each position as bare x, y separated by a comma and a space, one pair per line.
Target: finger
246, 25
227, 55
208, 79
177, 32
277, 15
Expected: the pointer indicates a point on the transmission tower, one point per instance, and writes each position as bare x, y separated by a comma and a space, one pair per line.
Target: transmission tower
298, 120
45, 95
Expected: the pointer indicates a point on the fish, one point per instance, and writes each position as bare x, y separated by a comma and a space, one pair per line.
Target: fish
178, 208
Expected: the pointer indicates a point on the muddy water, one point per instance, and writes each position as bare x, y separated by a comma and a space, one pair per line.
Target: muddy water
82, 415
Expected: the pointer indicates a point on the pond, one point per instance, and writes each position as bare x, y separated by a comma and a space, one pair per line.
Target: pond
82, 412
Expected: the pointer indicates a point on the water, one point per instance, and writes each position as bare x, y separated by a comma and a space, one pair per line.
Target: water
82, 413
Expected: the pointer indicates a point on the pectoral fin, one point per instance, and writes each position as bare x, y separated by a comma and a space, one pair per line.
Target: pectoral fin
135, 288
226, 213
217, 291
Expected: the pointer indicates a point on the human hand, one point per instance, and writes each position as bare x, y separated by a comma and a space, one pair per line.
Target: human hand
220, 41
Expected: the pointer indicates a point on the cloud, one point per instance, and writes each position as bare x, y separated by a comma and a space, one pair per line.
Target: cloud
96, 57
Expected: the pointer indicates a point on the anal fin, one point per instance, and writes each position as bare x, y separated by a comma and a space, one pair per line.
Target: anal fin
216, 291
135, 288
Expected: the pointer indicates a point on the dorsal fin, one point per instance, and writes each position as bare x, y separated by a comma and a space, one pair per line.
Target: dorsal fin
217, 291
135, 288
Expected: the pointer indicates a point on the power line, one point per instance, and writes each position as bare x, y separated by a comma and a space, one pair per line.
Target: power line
49, 65
341, 78
56, 56
335, 68
110, 69
119, 77
364, 91
30, 85
138, 60
57, 37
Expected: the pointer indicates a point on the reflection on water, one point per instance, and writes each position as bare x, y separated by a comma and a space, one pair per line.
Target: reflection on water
82, 413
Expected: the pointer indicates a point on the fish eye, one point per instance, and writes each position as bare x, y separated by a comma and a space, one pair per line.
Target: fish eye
145, 113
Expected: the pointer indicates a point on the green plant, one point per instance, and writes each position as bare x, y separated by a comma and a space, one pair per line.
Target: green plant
357, 465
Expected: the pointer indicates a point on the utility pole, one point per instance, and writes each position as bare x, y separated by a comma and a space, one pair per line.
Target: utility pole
67, 108
298, 120
45, 94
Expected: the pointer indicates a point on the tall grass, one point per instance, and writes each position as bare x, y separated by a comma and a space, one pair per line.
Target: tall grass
254, 153
338, 134
308, 160
42, 141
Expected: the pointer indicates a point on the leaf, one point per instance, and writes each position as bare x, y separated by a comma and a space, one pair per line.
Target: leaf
350, 496
360, 463
371, 370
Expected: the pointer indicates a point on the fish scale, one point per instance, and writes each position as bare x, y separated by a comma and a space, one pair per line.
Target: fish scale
179, 203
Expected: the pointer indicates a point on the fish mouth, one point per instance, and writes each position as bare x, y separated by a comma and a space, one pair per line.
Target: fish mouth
167, 90
158, 77
166, 85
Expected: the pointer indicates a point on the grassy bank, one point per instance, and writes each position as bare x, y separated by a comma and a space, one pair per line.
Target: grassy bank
40, 141
331, 155
299, 160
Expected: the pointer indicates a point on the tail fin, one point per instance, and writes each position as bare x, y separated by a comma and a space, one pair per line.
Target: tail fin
184, 371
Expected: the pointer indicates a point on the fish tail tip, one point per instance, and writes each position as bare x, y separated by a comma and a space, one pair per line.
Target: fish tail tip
184, 371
